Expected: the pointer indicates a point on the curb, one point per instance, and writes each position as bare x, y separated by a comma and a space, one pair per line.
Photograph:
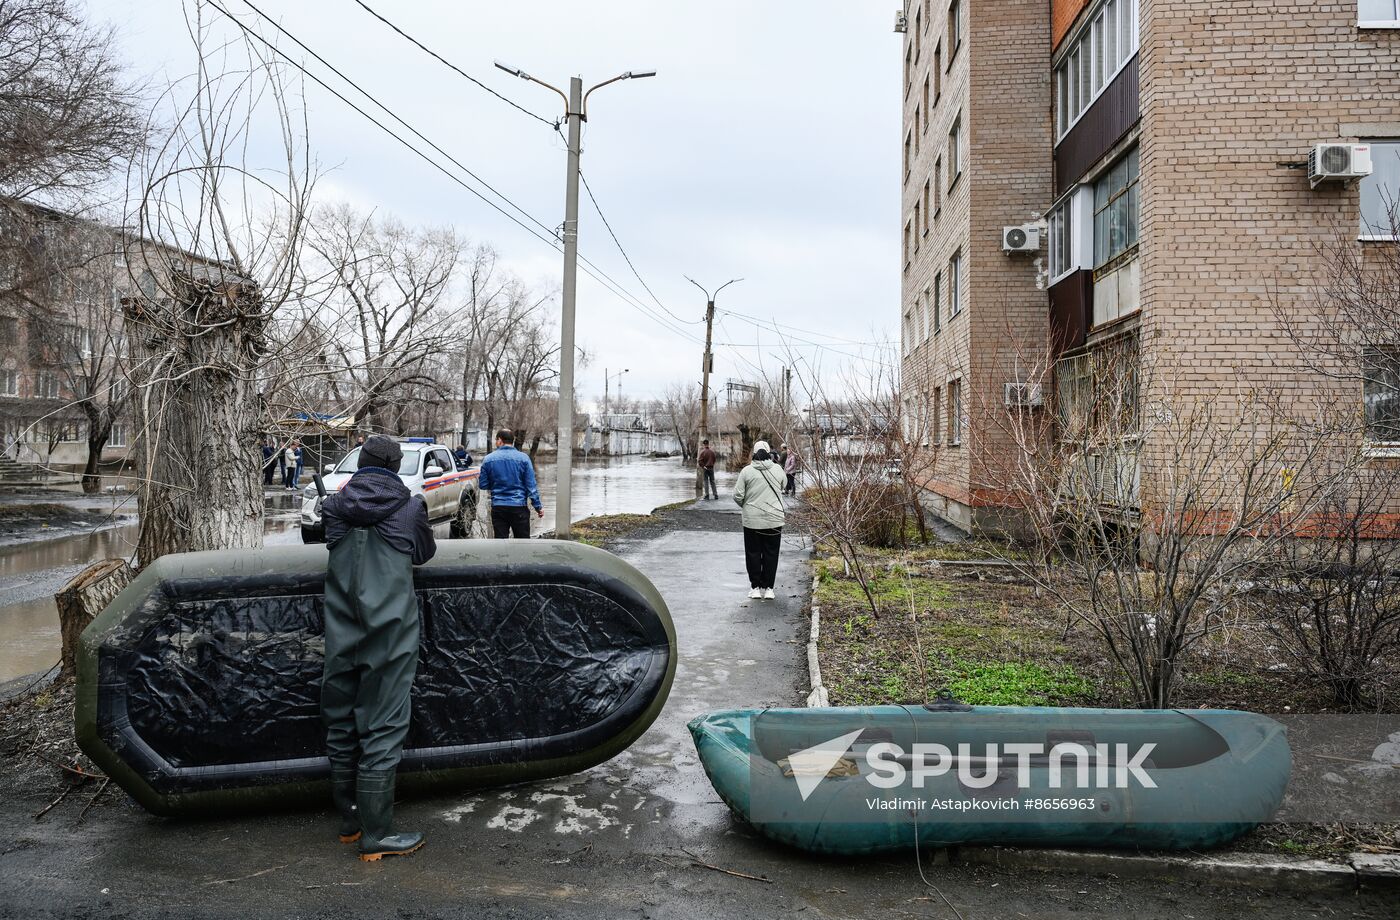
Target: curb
1243, 869
817, 695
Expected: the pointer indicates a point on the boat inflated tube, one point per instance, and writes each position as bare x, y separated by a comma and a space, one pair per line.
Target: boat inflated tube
199, 686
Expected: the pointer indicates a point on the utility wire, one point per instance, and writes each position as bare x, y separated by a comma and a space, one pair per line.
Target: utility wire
593, 198
446, 63
628, 258
592, 271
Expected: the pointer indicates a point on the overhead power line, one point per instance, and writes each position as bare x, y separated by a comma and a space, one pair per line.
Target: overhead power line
446, 63
592, 270
588, 188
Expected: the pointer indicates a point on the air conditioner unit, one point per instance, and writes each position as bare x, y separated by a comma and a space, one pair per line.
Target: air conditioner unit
1338, 162
1024, 395
901, 21
1025, 238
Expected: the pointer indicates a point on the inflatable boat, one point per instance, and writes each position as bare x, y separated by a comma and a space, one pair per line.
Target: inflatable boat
824, 780
199, 686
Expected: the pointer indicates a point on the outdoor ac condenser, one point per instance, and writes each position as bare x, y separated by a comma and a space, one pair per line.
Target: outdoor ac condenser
1024, 395
901, 21
1338, 162
1025, 238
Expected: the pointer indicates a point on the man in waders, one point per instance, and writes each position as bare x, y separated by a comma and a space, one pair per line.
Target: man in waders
376, 531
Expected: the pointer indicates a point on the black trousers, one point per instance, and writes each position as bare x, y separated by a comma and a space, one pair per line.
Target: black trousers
511, 520
791, 487
761, 555
710, 490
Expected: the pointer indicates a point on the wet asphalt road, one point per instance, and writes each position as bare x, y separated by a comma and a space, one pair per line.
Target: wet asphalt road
616, 841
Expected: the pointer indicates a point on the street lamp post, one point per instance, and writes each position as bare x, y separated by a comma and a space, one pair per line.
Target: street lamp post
607, 378
576, 113
707, 366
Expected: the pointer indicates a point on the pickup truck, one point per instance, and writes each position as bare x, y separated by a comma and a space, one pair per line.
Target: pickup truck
428, 470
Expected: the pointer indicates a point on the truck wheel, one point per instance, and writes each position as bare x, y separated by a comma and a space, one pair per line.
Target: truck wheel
464, 523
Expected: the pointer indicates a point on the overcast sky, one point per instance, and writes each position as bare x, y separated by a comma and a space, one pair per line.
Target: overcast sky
767, 148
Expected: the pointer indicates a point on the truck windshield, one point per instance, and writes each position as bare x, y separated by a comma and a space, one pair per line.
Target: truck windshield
408, 466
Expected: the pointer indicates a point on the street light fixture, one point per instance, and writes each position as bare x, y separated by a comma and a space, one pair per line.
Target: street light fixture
607, 378
575, 113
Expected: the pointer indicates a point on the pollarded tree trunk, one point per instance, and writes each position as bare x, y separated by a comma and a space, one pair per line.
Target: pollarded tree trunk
196, 352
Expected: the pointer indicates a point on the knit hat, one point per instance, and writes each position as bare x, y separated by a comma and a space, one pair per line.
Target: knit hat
761, 446
380, 450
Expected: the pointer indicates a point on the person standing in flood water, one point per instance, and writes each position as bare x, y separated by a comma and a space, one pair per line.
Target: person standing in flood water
759, 493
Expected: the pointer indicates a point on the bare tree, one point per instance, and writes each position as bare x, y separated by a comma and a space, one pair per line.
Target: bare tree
232, 229
77, 275
680, 408
388, 307
67, 113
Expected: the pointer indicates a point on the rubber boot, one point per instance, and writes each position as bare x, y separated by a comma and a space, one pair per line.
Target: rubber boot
343, 795
374, 792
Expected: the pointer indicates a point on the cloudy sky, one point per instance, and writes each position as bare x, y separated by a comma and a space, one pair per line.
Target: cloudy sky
766, 148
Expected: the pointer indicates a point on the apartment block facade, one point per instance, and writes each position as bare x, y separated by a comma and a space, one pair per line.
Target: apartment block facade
1162, 149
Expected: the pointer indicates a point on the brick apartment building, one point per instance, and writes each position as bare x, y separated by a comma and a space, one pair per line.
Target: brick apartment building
62, 342
1161, 149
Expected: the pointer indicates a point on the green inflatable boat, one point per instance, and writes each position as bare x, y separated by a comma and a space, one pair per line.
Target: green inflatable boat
199, 686
883, 778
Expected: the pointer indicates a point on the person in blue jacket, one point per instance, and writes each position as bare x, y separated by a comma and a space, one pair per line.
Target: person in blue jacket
509, 476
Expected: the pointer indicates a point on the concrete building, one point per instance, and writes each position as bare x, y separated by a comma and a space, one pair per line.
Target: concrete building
1161, 149
63, 348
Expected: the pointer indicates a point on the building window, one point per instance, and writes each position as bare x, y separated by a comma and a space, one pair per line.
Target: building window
1116, 209
937, 185
9, 383
937, 303
1378, 13
954, 29
1060, 234
908, 335
955, 284
918, 222
937, 71
1091, 61
46, 386
907, 240
918, 32
955, 418
927, 322
908, 69
927, 113
1380, 193
1380, 395
9, 330
924, 225
117, 437
954, 151
936, 414
908, 154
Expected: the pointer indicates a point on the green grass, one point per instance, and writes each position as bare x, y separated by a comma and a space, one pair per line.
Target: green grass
891, 589
1013, 683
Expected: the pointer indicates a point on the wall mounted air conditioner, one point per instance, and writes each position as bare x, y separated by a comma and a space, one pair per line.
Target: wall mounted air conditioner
1025, 238
1338, 163
901, 21
1023, 395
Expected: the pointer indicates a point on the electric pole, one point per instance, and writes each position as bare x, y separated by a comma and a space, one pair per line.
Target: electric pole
576, 113
708, 365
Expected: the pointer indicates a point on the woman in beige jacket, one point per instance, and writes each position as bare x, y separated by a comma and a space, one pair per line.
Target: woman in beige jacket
759, 493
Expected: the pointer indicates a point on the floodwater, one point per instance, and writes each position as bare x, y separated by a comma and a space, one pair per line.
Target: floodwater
30, 573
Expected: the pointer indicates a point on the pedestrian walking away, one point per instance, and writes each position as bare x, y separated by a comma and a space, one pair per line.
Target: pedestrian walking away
376, 532
706, 458
509, 476
758, 493
790, 469
269, 460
